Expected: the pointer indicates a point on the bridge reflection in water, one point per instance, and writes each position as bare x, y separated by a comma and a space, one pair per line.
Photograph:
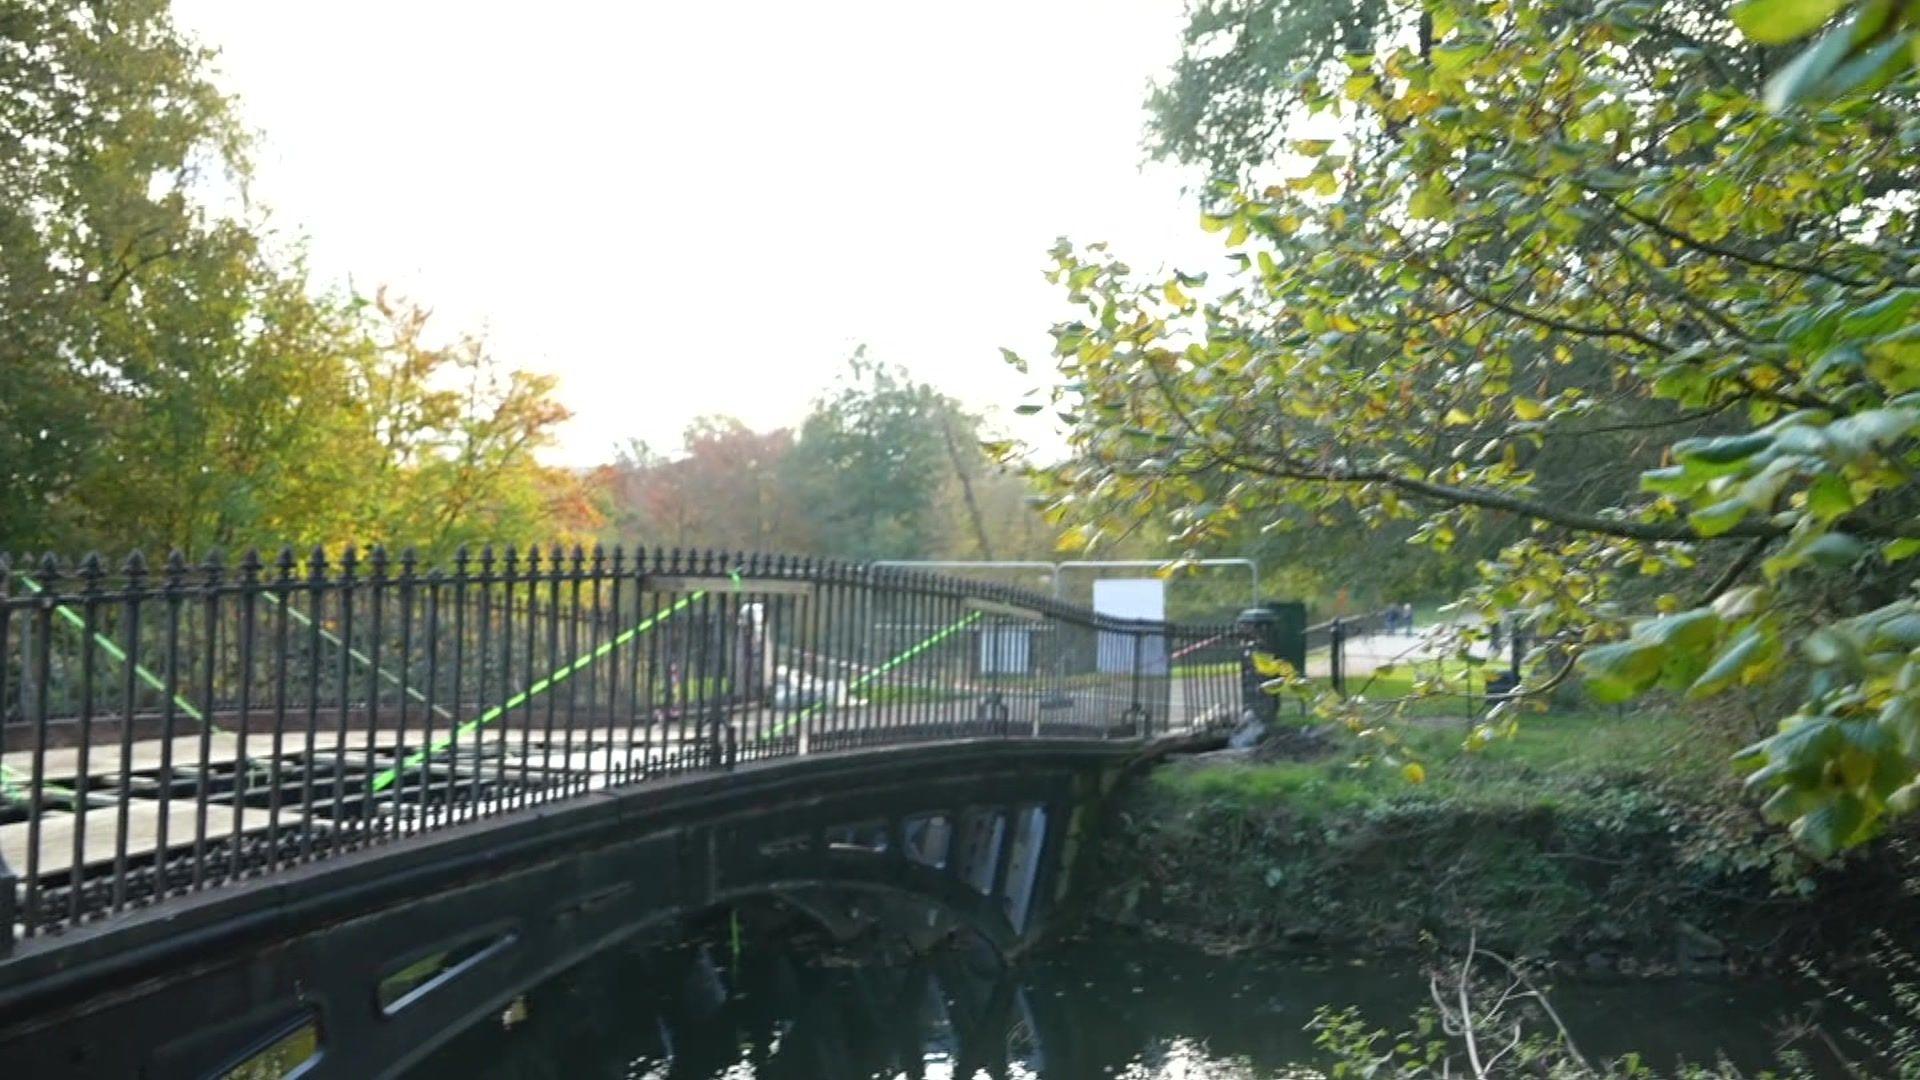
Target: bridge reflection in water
371, 801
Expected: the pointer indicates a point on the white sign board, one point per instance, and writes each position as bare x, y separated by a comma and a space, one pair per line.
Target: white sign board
1132, 598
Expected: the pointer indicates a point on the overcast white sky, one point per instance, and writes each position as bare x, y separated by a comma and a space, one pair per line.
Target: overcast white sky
695, 208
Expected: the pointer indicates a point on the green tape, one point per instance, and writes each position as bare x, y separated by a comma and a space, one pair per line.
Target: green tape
107, 646
365, 661
15, 787
915, 650
419, 757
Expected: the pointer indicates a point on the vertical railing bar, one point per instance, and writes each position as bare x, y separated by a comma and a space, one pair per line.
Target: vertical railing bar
482, 613
203, 780
574, 588
316, 600
282, 647
480, 799
525, 794
135, 582
507, 571
83, 771
42, 698
345, 593
656, 715
242, 765
556, 576
371, 829
405, 818
457, 590
608, 578
429, 815
9, 883
168, 719
632, 768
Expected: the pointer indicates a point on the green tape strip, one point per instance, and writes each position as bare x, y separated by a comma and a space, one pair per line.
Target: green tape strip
365, 661
915, 650
13, 785
419, 757
107, 646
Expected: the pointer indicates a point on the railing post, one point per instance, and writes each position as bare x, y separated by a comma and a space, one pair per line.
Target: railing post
8, 882
1337, 656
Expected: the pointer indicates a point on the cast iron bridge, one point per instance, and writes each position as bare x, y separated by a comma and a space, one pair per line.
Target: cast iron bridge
317, 814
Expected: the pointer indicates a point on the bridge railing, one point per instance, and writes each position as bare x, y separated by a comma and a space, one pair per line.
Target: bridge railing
169, 728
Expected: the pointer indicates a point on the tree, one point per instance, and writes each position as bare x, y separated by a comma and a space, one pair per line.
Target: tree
171, 380
727, 490
870, 462
1564, 241
106, 119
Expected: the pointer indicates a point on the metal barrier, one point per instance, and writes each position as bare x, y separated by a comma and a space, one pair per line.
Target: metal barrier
169, 730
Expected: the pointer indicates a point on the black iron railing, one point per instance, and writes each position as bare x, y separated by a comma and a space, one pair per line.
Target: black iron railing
167, 729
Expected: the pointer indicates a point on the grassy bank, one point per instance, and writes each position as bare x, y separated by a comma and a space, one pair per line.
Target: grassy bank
1619, 839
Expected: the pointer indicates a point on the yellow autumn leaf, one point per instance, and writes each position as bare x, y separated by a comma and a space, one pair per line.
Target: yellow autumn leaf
1175, 296
1414, 772
1457, 417
1272, 666
1528, 409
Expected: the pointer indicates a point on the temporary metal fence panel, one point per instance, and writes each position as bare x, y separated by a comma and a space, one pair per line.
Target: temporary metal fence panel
168, 729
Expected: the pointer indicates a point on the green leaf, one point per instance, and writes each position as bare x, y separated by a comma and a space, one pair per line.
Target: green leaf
1776, 22
1835, 550
1615, 673
1837, 824
1718, 518
1723, 449
1672, 480
1748, 649
1897, 550
1804, 73
1830, 497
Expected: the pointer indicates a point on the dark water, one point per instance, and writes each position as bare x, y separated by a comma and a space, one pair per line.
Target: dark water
1104, 1008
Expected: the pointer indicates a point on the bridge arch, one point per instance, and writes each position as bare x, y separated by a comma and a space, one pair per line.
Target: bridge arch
983, 832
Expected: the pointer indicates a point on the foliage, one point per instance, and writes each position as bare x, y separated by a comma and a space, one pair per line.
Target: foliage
1582, 834
1557, 231
883, 467
172, 380
1869, 45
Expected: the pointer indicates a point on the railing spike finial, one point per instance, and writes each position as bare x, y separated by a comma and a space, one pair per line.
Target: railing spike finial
136, 564
91, 571
349, 561
317, 564
286, 562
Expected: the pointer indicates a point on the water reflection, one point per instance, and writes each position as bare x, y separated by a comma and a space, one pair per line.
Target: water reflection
1100, 1009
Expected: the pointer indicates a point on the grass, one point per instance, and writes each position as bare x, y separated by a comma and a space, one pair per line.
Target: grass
1546, 761
1583, 832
